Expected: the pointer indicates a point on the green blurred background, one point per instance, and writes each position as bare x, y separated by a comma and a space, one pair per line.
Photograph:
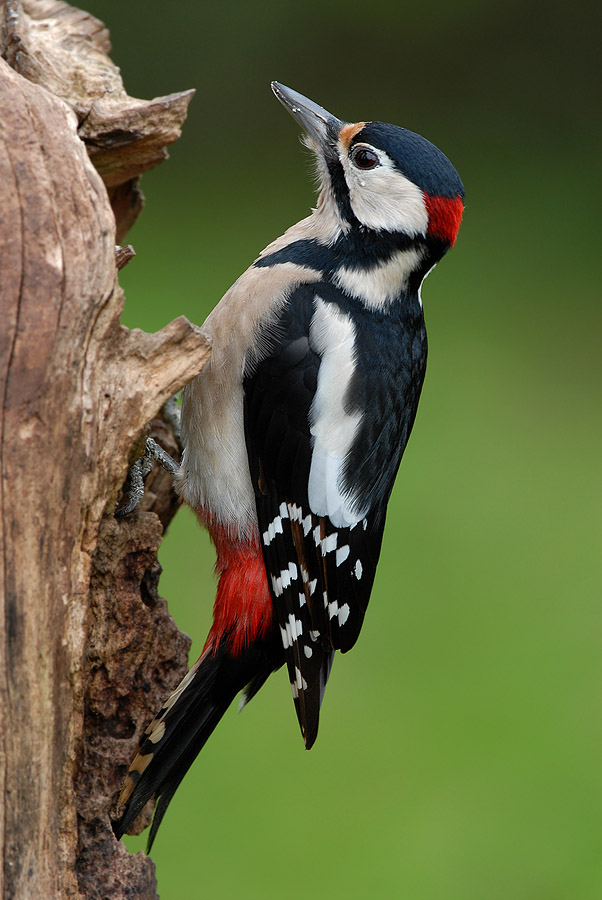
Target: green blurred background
458, 756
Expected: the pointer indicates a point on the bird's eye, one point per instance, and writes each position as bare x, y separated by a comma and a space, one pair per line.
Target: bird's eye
364, 159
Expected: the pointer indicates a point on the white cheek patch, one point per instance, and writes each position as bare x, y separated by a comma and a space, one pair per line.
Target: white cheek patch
384, 199
332, 334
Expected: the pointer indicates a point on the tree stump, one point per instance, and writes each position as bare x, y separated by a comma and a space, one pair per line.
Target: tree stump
88, 650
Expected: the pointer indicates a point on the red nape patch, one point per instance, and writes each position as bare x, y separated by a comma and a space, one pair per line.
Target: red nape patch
445, 215
242, 610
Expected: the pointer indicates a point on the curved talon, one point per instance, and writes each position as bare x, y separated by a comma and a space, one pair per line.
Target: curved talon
155, 452
138, 473
135, 492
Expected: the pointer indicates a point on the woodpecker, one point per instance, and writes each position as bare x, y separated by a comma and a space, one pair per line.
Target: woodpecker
294, 431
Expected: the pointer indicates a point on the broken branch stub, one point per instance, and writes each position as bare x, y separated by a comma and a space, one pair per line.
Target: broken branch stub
64, 50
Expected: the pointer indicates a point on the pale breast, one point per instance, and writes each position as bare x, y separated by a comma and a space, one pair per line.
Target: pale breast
214, 474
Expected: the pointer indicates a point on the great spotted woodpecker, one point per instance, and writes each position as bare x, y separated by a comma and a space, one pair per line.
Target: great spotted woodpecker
294, 431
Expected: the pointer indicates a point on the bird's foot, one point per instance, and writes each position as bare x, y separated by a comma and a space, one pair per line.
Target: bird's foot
134, 489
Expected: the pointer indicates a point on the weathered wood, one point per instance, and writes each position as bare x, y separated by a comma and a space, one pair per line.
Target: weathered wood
65, 50
87, 648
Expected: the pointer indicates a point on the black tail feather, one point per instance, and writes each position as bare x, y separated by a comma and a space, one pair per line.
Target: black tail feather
183, 725
171, 784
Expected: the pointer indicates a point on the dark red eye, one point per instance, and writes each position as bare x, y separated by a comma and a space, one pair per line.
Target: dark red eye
364, 159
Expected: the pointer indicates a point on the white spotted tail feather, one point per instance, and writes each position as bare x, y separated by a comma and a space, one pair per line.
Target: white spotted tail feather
180, 729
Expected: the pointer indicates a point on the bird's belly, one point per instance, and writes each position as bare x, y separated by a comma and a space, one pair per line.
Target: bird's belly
214, 477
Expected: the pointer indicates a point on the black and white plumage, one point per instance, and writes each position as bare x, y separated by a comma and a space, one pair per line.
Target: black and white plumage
294, 432
326, 425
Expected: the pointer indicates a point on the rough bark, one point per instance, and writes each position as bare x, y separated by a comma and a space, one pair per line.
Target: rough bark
87, 647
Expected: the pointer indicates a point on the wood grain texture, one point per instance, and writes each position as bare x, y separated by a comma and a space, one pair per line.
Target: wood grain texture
87, 647
65, 50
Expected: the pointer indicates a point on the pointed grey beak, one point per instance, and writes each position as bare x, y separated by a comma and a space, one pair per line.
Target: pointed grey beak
320, 125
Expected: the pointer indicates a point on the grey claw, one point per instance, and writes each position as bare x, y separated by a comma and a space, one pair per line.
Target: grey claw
138, 473
154, 451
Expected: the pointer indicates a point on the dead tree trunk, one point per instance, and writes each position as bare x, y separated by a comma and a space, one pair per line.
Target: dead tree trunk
87, 648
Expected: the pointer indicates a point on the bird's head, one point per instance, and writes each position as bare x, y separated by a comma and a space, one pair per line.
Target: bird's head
380, 177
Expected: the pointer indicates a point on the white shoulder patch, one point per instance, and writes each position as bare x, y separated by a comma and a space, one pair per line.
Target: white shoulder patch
332, 334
